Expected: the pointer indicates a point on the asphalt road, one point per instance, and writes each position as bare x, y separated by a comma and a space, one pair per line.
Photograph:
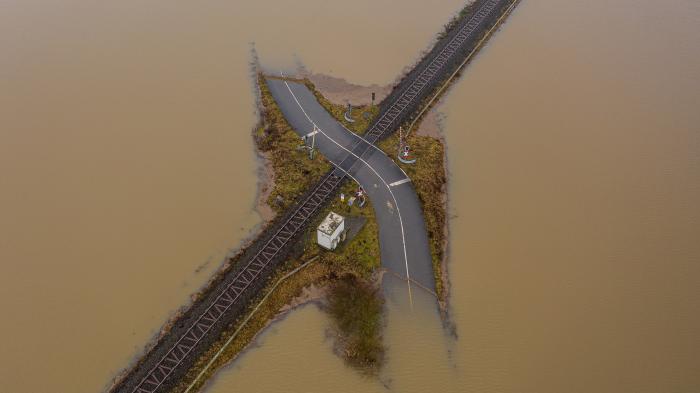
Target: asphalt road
403, 240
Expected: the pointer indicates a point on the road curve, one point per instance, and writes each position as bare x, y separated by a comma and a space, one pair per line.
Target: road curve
403, 240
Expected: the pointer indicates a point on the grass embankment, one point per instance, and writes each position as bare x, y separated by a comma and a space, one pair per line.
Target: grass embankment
355, 261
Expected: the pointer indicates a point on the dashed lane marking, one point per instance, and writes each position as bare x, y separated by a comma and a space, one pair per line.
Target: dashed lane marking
402, 181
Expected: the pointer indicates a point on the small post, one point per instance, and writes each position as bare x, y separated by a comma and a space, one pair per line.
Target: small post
348, 114
404, 154
372, 98
313, 143
305, 140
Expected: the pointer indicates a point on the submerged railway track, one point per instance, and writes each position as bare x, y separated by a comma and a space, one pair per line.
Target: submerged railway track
192, 333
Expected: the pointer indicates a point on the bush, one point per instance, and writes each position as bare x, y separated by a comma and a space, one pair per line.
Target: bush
356, 308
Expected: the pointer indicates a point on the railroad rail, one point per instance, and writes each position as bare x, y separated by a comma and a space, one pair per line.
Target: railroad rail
203, 323
236, 287
411, 96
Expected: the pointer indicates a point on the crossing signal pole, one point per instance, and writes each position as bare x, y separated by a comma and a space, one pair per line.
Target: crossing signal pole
305, 139
404, 154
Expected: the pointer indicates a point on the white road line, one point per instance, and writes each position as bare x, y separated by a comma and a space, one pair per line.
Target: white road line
402, 181
314, 124
372, 145
398, 211
310, 134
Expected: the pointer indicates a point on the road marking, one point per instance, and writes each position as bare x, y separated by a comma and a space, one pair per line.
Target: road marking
310, 134
364, 140
402, 181
398, 211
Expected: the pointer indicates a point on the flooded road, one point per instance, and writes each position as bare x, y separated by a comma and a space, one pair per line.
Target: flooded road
127, 172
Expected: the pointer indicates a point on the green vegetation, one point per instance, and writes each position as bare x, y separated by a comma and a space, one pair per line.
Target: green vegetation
360, 256
354, 301
356, 308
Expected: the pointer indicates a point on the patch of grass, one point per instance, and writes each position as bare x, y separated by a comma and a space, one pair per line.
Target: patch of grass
356, 309
360, 255
293, 171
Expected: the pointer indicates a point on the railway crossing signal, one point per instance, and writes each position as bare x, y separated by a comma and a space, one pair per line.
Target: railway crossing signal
404, 154
305, 139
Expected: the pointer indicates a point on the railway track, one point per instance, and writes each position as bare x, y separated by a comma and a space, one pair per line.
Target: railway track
411, 96
234, 290
160, 368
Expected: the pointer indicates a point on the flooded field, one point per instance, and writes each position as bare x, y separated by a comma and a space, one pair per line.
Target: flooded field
127, 173
127, 170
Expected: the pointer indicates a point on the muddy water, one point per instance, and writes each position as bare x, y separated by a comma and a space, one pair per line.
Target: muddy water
127, 172
123, 144
575, 175
126, 167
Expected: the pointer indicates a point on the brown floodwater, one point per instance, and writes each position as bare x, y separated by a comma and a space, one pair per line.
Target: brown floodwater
127, 173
